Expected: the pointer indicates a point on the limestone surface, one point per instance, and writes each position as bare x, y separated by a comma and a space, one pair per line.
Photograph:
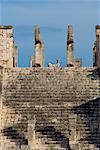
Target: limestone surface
56, 109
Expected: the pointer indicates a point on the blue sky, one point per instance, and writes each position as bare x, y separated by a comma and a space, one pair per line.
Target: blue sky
53, 16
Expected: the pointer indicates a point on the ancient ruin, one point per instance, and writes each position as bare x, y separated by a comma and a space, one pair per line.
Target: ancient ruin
38, 59
48, 108
70, 46
8, 51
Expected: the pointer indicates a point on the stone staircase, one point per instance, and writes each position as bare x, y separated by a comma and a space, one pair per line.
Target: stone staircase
50, 97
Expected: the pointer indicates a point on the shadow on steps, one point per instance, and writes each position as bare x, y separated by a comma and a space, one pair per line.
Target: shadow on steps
55, 136
90, 112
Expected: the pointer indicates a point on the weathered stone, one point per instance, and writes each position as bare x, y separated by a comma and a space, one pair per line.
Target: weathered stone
15, 57
70, 47
49, 109
78, 62
98, 46
7, 49
65, 103
94, 55
38, 59
32, 61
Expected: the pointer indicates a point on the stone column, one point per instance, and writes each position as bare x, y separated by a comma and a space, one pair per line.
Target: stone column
6, 46
39, 49
15, 57
98, 46
32, 61
94, 54
31, 132
70, 47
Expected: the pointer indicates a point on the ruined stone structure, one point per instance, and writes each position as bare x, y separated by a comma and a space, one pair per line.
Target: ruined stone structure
32, 61
50, 108
78, 62
54, 65
97, 46
15, 57
70, 46
71, 61
8, 52
38, 59
94, 54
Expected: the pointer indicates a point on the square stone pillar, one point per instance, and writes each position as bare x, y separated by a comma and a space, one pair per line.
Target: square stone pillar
6, 46
97, 46
70, 47
39, 49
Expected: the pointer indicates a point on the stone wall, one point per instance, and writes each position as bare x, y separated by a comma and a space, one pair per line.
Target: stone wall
56, 109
